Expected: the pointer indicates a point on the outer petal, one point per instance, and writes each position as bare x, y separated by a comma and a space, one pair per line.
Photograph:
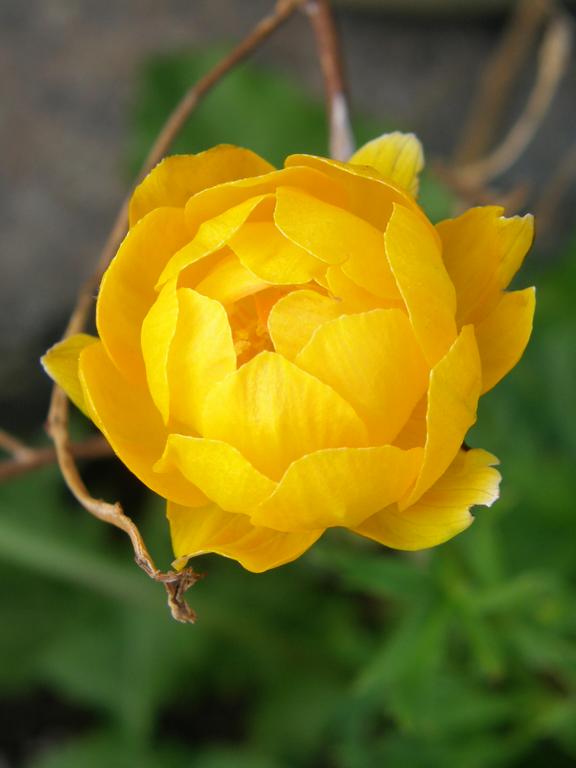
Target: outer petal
443, 511
158, 329
209, 529
369, 195
202, 354
219, 470
175, 179
503, 335
295, 317
452, 400
429, 295
373, 360
126, 415
273, 413
396, 156
482, 251
338, 487
61, 364
264, 250
127, 288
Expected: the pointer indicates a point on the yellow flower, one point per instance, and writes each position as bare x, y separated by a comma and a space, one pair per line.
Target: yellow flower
285, 351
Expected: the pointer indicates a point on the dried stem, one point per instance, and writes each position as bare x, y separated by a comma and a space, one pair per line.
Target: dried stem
27, 458
499, 77
330, 55
57, 422
552, 61
560, 182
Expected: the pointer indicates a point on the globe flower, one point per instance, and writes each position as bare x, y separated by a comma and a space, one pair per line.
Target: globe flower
286, 351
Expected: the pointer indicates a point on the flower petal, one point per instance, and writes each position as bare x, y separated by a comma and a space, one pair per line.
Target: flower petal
452, 400
175, 179
229, 281
61, 364
503, 335
482, 251
338, 487
212, 202
396, 156
369, 195
209, 529
128, 419
443, 511
202, 354
212, 235
295, 317
352, 297
158, 329
219, 470
273, 413
127, 288
336, 236
374, 361
429, 295
264, 250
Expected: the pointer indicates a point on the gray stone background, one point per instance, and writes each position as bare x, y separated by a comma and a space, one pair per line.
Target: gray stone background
68, 70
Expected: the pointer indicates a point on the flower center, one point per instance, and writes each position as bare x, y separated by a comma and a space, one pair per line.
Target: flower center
248, 320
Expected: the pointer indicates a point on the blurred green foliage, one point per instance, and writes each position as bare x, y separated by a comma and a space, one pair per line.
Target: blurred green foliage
352, 657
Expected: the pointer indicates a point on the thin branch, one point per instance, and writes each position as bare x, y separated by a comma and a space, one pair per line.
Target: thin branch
330, 55
560, 182
498, 78
26, 458
170, 130
552, 62
14, 446
176, 584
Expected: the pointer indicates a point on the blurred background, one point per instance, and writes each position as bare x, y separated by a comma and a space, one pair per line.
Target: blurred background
354, 656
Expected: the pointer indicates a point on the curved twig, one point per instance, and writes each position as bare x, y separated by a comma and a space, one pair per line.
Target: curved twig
176, 583
552, 61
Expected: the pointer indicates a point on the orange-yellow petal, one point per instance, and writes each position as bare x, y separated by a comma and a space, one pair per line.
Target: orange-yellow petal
396, 156
338, 487
212, 202
210, 529
229, 281
219, 470
263, 249
430, 298
201, 355
482, 251
61, 364
374, 361
351, 296
503, 334
443, 511
452, 401
212, 235
127, 288
369, 195
158, 329
273, 413
130, 422
295, 317
175, 179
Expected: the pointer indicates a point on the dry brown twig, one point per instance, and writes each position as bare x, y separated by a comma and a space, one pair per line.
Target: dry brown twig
499, 75
553, 59
23, 458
